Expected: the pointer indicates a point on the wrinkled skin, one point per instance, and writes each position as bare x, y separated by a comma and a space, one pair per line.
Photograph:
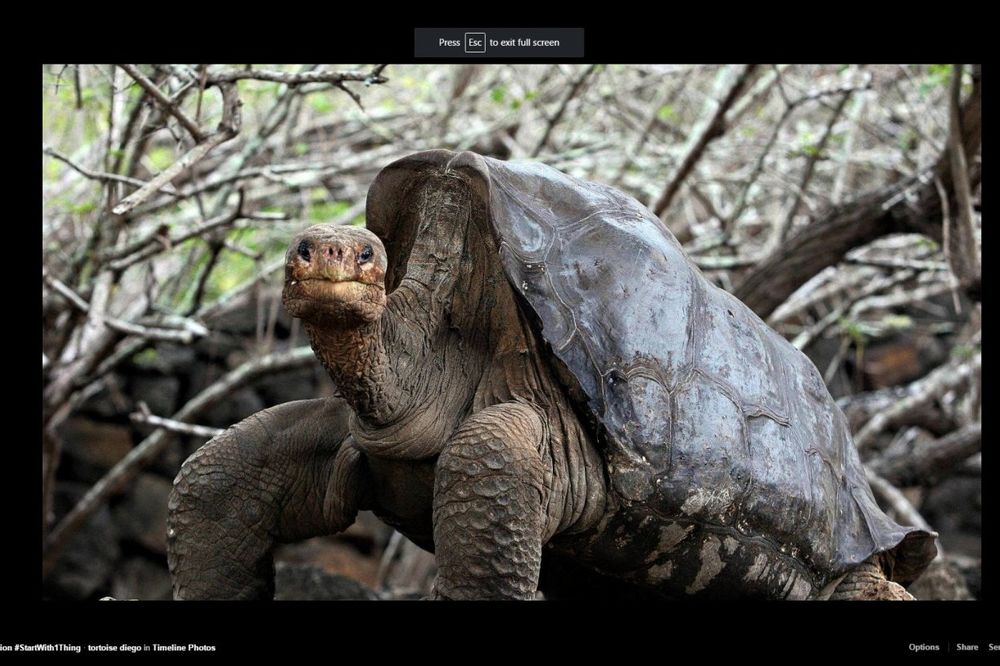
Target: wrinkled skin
454, 425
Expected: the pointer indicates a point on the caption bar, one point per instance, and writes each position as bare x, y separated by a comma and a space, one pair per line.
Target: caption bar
498, 43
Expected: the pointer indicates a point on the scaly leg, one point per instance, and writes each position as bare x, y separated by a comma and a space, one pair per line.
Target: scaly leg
283, 474
868, 583
490, 499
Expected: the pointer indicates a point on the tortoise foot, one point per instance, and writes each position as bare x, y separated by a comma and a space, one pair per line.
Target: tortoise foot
868, 583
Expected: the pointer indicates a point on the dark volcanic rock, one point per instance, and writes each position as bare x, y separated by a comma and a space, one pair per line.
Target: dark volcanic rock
141, 578
161, 394
309, 583
142, 515
233, 409
299, 384
942, 581
98, 444
89, 558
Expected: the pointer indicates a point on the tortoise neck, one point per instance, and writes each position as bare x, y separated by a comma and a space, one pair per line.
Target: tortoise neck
356, 358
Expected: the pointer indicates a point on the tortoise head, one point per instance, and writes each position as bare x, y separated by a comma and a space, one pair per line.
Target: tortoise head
335, 275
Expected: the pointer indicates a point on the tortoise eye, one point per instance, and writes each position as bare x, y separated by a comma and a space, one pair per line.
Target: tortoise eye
366, 255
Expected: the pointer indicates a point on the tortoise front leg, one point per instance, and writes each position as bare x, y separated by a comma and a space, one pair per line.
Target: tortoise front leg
283, 474
868, 582
490, 499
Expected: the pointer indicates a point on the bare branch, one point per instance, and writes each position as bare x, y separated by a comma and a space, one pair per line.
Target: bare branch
150, 448
168, 105
890, 262
781, 231
570, 94
895, 300
298, 78
790, 107
963, 255
183, 336
846, 171
143, 415
228, 128
921, 394
905, 511
754, 95
76, 88
99, 175
666, 100
807, 336
928, 461
157, 242
711, 128
714, 263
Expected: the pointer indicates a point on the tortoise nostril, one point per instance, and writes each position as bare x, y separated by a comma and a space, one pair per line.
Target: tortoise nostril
303, 250
340, 253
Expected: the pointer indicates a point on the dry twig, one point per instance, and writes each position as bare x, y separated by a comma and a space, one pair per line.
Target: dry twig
150, 448
919, 395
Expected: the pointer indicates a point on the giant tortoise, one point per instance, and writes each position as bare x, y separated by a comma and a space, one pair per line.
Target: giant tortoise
537, 385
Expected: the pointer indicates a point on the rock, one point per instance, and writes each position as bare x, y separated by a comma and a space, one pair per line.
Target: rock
143, 579
971, 569
89, 558
332, 556
287, 386
169, 462
109, 403
215, 347
367, 533
311, 583
954, 507
202, 376
160, 393
942, 581
239, 316
822, 352
899, 359
177, 360
142, 515
90, 448
233, 409
412, 571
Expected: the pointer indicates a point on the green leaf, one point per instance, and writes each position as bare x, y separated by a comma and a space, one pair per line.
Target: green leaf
908, 139
939, 71
324, 212
515, 104
83, 208
666, 112
854, 330
53, 168
301, 148
147, 358
498, 94
160, 158
321, 103
938, 76
897, 321
963, 352
231, 270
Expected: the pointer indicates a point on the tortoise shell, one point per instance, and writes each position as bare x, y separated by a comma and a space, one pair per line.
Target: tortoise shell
707, 416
